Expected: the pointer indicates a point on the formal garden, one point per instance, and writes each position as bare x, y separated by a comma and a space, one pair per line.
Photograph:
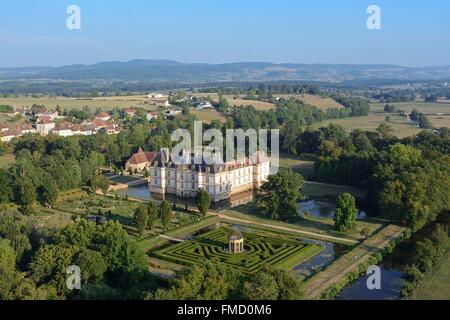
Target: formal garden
260, 249
122, 210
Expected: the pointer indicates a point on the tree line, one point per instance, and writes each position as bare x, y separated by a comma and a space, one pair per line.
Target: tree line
407, 179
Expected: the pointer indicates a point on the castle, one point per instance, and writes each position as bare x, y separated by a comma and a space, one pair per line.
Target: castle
221, 181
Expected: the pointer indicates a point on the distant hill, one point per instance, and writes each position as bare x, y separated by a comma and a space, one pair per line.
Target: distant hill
172, 71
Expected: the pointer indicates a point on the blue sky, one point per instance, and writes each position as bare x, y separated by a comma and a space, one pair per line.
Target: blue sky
414, 33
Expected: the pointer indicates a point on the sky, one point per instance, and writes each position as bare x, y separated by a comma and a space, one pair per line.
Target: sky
413, 33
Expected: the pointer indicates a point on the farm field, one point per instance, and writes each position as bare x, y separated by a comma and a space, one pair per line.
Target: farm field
440, 121
276, 250
105, 103
426, 108
402, 128
319, 102
259, 105
208, 115
238, 101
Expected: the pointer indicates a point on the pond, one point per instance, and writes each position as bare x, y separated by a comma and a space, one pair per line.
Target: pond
330, 253
322, 209
391, 278
142, 192
392, 269
391, 283
122, 179
139, 192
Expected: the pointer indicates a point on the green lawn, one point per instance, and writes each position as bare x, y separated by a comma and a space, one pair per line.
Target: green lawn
313, 189
308, 224
279, 251
52, 219
327, 191
121, 210
150, 241
437, 285
305, 168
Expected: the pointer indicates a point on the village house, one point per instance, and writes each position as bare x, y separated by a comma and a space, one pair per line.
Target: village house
7, 133
173, 113
4, 127
65, 129
100, 126
111, 128
164, 103
159, 99
204, 105
7, 136
86, 130
49, 114
25, 128
103, 116
24, 111
130, 112
45, 125
152, 115
140, 161
156, 96
221, 180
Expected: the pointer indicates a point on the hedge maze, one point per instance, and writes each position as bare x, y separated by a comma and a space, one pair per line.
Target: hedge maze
260, 250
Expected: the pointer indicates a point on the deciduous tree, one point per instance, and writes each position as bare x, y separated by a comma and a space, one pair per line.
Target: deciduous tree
141, 219
203, 201
345, 213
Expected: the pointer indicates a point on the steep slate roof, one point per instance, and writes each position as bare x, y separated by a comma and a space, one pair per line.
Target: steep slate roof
142, 157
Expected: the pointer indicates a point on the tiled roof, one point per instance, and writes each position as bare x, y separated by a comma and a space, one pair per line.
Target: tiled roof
10, 133
45, 120
102, 115
64, 126
142, 157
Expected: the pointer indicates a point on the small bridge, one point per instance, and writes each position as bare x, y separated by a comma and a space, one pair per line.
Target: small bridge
171, 239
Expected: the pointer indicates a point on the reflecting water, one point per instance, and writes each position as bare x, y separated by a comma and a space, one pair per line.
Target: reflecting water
329, 254
142, 192
322, 209
391, 283
139, 192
